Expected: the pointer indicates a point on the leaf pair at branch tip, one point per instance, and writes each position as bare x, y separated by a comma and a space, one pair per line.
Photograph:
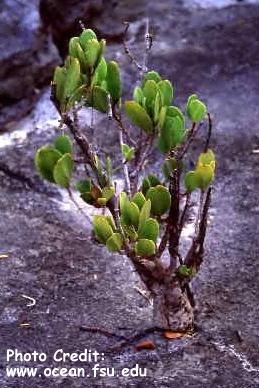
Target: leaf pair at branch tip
196, 109
203, 175
55, 163
94, 195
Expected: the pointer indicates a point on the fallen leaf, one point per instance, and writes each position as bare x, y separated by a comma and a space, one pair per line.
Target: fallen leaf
145, 345
168, 334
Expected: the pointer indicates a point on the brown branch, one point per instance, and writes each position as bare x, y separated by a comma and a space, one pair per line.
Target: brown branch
173, 218
99, 330
207, 144
184, 212
148, 47
128, 51
117, 117
90, 157
164, 241
191, 136
194, 256
140, 160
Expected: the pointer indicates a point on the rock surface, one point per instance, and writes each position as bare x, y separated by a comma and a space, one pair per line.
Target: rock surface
75, 283
27, 57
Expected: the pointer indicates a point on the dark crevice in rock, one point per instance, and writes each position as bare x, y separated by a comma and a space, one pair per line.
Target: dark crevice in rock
33, 184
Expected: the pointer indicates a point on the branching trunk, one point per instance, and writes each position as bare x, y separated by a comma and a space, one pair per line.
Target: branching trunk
171, 307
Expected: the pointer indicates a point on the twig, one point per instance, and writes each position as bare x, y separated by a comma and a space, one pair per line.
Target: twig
199, 212
183, 215
118, 120
173, 218
125, 167
140, 160
191, 135
209, 133
148, 44
194, 256
128, 51
99, 330
131, 340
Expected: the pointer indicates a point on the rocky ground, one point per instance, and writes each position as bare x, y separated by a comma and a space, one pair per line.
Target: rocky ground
212, 51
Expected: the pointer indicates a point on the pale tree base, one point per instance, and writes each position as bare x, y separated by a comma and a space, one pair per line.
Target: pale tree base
171, 307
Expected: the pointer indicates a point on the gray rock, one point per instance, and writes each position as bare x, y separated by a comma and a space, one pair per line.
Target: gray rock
26, 57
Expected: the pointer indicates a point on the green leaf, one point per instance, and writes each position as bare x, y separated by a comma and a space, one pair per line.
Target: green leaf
151, 75
205, 175
157, 107
128, 152
164, 143
88, 198
108, 192
115, 242
102, 45
101, 201
99, 99
149, 181
59, 80
149, 230
63, 144
144, 214
73, 80
171, 135
102, 228
129, 211
184, 271
162, 116
84, 186
130, 232
150, 90
139, 199
100, 73
166, 89
45, 160
174, 111
207, 158
114, 81
139, 116
138, 95
191, 181
92, 52
145, 247
84, 38
111, 222
63, 170
123, 200
191, 98
73, 45
160, 200
75, 50
196, 110
130, 214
